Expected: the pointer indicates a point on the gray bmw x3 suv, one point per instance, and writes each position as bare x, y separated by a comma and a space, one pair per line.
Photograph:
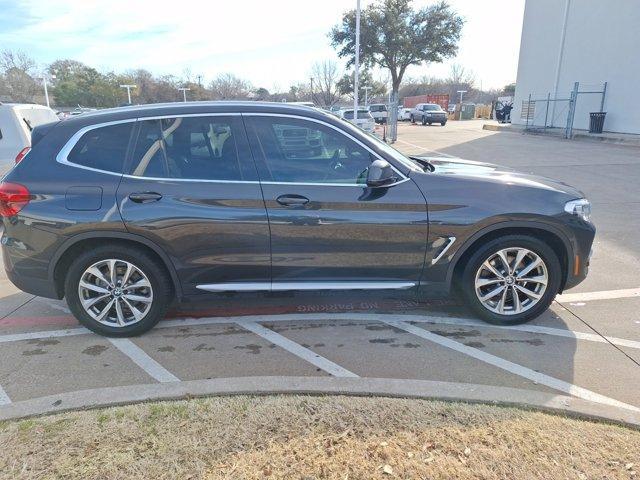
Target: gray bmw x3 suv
124, 211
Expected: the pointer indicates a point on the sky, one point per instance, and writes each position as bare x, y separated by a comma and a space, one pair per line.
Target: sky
271, 43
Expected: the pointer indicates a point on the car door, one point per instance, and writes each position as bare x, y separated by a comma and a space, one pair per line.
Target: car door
328, 229
192, 189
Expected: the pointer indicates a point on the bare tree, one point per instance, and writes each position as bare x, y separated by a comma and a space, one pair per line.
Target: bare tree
325, 77
459, 75
17, 82
229, 87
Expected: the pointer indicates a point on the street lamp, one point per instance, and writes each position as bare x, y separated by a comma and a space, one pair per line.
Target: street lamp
356, 65
366, 95
46, 92
184, 91
129, 87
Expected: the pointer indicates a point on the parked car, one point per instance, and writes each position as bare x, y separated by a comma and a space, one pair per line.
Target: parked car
404, 114
126, 210
365, 120
379, 112
17, 120
428, 114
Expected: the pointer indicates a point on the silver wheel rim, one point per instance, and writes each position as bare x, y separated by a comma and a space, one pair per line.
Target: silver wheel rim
511, 281
115, 293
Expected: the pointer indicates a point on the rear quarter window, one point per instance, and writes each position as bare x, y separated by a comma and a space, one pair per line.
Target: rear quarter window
103, 148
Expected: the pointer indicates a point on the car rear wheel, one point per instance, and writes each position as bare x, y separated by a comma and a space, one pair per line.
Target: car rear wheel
424, 120
511, 280
117, 291
412, 118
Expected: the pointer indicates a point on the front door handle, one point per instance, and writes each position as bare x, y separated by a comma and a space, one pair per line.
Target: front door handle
292, 200
145, 197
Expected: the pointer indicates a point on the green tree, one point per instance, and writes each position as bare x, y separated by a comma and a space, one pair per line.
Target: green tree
77, 84
378, 88
509, 89
394, 36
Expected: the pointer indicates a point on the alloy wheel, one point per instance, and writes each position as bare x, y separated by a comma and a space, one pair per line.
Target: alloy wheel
511, 281
115, 293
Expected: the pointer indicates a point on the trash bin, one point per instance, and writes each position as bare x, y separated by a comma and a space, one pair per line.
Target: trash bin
597, 122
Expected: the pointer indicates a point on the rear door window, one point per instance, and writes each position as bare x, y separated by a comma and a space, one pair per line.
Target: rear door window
191, 148
103, 148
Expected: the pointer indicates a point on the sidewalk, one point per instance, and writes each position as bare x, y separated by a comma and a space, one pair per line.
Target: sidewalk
606, 137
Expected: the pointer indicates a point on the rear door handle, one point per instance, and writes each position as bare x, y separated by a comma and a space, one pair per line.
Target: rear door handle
145, 197
292, 200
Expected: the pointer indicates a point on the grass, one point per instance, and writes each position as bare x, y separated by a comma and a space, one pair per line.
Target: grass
301, 437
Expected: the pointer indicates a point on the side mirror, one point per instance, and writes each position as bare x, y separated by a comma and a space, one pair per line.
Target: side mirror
380, 174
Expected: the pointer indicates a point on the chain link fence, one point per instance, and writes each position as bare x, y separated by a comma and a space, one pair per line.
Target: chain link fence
556, 114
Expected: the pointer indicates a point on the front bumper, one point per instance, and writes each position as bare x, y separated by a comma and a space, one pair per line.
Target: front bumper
582, 246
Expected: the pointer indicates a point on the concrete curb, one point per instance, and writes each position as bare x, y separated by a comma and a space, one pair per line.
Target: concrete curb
498, 128
446, 391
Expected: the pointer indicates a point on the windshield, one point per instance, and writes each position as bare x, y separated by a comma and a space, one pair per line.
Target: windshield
378, 108
362, 114
432, 108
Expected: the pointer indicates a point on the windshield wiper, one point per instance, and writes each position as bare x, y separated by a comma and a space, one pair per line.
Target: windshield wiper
424, 163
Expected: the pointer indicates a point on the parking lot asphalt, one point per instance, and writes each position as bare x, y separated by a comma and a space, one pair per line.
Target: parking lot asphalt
586, 346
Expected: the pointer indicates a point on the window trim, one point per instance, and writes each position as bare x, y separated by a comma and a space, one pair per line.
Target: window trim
403, 177
61, 157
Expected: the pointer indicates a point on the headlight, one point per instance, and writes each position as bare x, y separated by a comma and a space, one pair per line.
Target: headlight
580, 207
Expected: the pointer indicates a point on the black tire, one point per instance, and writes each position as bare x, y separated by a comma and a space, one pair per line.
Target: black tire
156, 274
412, 118
424, 120
546, 253
443, 123
430, 123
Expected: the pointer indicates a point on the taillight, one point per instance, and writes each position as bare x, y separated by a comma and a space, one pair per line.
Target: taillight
22, 154
13, 198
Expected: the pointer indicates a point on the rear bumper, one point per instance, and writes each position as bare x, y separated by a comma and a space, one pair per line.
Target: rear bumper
26, 262
33, 285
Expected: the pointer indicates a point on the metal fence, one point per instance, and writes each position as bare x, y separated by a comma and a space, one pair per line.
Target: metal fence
556, 114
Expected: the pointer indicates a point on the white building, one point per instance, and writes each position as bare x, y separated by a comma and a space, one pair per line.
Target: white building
586, 41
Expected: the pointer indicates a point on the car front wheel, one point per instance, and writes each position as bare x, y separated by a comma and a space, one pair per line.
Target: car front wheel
117, 291
511, 280
413, 119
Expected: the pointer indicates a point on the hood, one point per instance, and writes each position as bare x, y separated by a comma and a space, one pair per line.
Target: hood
496, 174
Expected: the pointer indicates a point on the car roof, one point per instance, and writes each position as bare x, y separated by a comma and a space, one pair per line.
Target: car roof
24, 105
185, 108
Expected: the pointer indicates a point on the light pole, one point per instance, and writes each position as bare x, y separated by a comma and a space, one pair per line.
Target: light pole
184, 91
311, 80
356, 65
366, 95
46, 92
129, 87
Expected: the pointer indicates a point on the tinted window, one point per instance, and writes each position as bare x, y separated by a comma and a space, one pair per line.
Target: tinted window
362, 114
308, 152
378, 108
199, 148
103, 148
432, 108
